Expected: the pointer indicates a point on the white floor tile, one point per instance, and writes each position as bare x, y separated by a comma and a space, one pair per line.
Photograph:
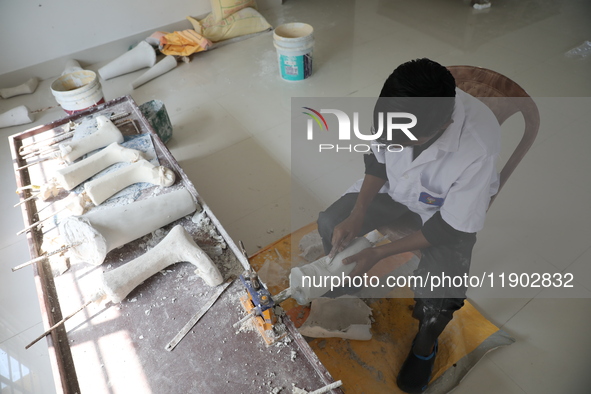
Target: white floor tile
550, 354
238, 180
487, 378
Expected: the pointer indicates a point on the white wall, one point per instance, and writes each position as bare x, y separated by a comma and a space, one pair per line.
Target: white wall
35, 31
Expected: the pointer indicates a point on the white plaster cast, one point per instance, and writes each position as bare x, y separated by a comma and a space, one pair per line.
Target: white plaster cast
71, 66
26, 88
162, 67
177, 246
71, 176
106, 134
98, 190
344, 317
101, 231
16, 116
320, 269
143, 55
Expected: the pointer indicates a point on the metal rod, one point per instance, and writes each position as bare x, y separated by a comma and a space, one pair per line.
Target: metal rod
327, 388
245, 318
46, 142
32, 164
56, 325
116, 117
187, 327
45, 256
282, 296
26, 199
40, 153
71, 125
38, 222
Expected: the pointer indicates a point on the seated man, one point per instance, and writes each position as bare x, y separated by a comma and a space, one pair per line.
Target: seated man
447, 177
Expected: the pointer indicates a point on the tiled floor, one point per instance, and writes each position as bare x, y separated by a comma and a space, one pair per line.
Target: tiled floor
231, 114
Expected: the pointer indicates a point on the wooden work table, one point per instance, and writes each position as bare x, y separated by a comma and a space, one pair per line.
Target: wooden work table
120, 348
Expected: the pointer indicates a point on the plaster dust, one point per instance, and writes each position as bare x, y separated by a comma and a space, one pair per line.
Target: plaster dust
311, 247
344, 317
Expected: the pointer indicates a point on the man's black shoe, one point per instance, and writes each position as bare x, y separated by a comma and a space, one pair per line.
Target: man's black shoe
415, 373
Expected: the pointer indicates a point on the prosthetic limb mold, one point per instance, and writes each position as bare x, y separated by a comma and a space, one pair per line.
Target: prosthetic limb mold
98, 190
177, 246
26, 88
162, 67
101, 231
319, 270
106, 134
16, 116
143, 55
71, 176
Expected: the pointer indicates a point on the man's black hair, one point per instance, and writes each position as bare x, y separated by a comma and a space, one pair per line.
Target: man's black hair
423, 88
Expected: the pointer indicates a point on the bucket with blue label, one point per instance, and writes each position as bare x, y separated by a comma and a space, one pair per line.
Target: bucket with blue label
294, 43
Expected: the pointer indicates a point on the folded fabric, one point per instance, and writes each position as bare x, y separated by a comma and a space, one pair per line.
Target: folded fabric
184, 43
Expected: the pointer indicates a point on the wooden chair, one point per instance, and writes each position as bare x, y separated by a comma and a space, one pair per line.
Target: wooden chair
505, 98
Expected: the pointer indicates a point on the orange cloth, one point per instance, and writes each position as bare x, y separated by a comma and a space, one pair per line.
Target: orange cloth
184, 43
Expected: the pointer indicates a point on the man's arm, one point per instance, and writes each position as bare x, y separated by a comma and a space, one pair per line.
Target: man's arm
435, 231
367, 258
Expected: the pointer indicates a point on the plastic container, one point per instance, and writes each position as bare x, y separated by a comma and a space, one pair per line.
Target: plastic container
77, 91
294, 43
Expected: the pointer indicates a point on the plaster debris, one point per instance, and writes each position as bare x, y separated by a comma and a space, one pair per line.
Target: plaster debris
311, 246
134, 299
344, 317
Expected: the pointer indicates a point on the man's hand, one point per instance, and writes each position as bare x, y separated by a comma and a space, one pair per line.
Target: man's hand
345, 232
365, 260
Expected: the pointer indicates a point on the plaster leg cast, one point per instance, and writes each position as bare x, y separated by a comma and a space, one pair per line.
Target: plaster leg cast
143, 55
177, 246
317, 271
102, 231
71, 66
71, 176
26, 88
16, 116
162, 67
141, 171
106, 134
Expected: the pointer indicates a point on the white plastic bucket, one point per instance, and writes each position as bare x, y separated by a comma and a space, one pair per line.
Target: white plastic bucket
77, 91
294, 43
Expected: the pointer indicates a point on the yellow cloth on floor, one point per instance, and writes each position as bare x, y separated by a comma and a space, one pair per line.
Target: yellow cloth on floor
371, 366
184, 43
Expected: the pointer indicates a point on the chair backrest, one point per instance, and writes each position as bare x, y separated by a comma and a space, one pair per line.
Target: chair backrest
505, 98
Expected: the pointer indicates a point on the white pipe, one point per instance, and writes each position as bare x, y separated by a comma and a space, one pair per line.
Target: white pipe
177, 246
26, 88
71, 176
141, 171
106, 134
101, 231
